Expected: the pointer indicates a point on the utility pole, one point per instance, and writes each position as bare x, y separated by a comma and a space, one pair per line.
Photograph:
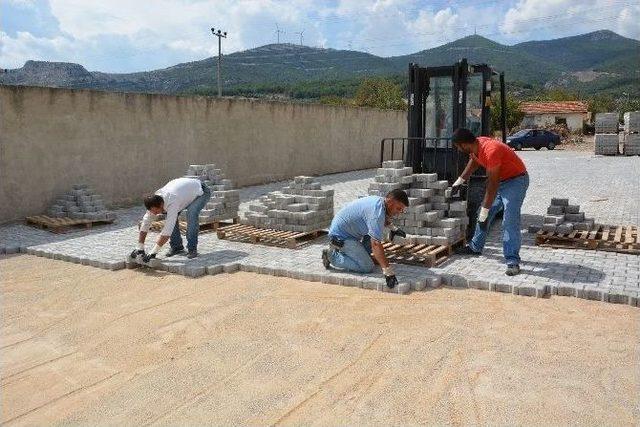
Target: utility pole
300, 33
278, 31
219, 34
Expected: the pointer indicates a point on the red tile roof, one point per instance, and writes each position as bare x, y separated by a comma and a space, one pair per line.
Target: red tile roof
531, 108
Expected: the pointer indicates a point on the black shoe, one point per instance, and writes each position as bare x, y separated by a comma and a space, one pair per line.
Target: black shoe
171, 252
192, 254
325, 259
512, 270
466, 250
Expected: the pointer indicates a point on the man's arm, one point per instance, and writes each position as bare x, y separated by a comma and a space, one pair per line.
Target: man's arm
471, 167
378, 253
493, 182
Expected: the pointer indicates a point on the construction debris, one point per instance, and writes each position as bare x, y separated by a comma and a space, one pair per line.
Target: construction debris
302, 206
564, 218
432, 218
81, 203
225, 200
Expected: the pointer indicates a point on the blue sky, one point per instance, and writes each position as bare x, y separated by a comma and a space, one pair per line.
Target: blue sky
137, 35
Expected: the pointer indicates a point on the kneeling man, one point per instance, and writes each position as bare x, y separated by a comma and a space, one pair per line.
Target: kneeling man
178, 194
357, 229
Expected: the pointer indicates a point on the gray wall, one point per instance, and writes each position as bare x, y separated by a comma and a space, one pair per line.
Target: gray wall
125, 145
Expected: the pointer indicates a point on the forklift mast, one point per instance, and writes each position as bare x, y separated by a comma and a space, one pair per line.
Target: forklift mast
441, 100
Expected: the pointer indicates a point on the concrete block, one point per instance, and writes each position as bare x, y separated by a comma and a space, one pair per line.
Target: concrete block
484, 285
559, 202
231, 267
393, 164
577, 217
418, 284
565, 228
553, 219
506, 288
572, 209
537, 290
195, 270
438, 185
403, 288
426, 177
555, 210
434, 281
566, 290
549, 228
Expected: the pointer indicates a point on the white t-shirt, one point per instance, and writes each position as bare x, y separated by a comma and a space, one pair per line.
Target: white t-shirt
177, 195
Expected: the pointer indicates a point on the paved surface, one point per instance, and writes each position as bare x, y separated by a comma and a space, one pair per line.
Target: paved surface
607, 188
85, 346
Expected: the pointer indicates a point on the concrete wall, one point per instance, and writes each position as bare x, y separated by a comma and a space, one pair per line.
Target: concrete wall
574, 120
125, 145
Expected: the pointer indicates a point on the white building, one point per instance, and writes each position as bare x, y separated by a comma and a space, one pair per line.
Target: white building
573, 114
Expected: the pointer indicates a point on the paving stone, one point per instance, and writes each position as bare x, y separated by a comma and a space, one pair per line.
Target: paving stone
195, 270
481, 284
503, 287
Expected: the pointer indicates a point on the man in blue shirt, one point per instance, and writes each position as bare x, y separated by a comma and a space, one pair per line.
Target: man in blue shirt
357, 230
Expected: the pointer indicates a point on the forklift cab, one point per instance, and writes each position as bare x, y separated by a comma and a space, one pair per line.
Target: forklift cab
441, 100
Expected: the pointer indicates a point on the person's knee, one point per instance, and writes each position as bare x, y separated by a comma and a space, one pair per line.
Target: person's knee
366, 266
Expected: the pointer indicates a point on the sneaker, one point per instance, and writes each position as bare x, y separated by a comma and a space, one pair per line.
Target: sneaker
325, 259
466, 250
512, 270
192, 254
171, 252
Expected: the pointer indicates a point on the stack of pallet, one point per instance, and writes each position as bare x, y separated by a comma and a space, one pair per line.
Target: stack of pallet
564, 218
225, 200
606, 139
81, 203
302, 206
431, 218
631, 142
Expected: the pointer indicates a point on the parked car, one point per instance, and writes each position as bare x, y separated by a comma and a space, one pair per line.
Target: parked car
533, 138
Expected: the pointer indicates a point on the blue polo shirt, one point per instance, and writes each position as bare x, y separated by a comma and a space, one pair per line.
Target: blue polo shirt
359, 218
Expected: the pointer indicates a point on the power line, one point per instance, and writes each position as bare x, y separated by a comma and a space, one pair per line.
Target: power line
220, 35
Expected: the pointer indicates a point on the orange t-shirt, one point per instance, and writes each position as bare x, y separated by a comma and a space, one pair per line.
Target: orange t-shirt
493, 153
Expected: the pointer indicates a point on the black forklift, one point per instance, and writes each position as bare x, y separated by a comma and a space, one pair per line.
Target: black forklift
441, 100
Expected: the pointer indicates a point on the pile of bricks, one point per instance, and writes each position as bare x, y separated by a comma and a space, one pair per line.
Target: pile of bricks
631, 142
302, 206
564, 218
431, 218
81, 203
225, 200
606, 139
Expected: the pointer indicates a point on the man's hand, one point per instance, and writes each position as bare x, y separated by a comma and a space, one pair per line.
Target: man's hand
148, 257
483, 217
137, 252
390, 276
395, 231
455, 188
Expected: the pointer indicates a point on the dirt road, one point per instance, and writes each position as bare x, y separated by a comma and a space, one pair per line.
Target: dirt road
89, 346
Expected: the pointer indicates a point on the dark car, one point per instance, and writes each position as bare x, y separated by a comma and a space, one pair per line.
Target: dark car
533, 138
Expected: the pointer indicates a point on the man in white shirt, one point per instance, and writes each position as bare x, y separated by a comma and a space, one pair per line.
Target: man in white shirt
178, 194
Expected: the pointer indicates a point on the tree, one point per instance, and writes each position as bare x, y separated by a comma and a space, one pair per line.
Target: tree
380, 93
514, 113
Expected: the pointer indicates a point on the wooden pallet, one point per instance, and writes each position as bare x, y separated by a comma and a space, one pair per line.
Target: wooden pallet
205, 227
267, 236
420, 254
62, 225
620, 238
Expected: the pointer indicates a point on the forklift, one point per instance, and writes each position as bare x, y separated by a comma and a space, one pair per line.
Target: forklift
442, 99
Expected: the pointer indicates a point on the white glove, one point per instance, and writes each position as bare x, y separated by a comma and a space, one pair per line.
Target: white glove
483, 215
459, 182
388, 271
155, 249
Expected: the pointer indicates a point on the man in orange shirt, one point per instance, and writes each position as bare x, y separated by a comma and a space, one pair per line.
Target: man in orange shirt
507, 183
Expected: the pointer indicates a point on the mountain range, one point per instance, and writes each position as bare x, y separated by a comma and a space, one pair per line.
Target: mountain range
597, 62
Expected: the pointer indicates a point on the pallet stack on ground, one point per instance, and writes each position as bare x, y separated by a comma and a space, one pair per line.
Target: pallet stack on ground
607, 141
631, 142
81, 203
432, 218
302, 206
564, 218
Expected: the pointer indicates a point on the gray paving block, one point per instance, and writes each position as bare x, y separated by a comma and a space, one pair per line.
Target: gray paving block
566, 290
556, 210
572, 209
11, 249
195, 270
484, 285
503, 287
418, 284
591, 292
559, 202
231, 267
537, 290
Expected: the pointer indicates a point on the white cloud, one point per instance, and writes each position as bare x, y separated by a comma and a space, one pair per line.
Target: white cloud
529, 19
14, 51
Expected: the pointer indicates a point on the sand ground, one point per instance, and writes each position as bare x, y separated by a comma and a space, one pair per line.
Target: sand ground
89, 346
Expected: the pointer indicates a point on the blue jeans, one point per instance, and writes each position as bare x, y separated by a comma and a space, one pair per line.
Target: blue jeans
193, 223
353, 256
509, 198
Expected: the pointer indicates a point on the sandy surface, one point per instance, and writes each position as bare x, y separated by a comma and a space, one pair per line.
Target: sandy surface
89, 346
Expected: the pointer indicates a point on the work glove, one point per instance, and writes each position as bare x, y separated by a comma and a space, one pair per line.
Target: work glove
395, 231
138, 251
390, 277
148, 257
455, 188
483, 217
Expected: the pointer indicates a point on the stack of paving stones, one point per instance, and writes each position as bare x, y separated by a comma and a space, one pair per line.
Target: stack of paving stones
431, 218
564, 218
302, 206
631, 142
81, 203
225, 200
606, 139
